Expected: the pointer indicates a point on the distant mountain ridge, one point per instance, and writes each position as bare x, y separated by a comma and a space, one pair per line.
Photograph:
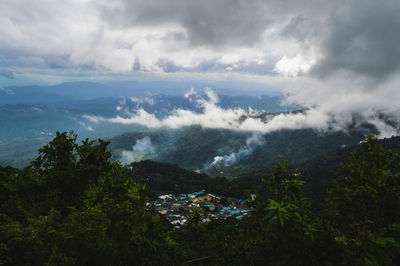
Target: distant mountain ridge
58, 94
27, 124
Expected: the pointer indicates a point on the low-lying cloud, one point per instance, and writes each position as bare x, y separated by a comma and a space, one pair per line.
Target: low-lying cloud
142, 148
244, 151
144, 145
334, 113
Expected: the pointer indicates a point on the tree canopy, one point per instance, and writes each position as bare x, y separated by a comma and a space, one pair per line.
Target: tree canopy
74, 206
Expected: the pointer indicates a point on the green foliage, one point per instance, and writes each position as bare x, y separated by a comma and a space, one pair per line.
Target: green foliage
363, 206
165, 178
193, 147
74, 206
283, 221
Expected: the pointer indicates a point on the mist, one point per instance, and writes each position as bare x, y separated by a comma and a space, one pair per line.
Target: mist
244, 151
142, 148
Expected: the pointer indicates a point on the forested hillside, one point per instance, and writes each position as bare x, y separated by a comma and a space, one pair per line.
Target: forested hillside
74, 206
196, 148
165, 178
318, 172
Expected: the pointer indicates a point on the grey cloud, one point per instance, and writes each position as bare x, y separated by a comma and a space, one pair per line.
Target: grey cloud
146, 36
210, 22
168, 66
301, 29
360, 37
364, 40
215, 22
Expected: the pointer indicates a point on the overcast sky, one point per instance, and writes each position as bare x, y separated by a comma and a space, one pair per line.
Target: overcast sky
278, 37
239, 38
338, 56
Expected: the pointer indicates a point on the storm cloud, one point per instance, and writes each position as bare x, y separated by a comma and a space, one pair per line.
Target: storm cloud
363, 39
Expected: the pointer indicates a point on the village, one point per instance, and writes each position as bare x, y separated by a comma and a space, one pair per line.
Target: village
177, 209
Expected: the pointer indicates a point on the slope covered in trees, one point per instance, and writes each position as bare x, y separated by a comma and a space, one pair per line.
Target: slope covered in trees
74, 206
195, 148
165, 178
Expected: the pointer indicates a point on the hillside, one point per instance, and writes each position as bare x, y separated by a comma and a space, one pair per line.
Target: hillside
32, 114
165, 178
75, 205
319, 171
225, 152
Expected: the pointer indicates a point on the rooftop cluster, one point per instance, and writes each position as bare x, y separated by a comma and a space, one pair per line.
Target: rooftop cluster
177, 208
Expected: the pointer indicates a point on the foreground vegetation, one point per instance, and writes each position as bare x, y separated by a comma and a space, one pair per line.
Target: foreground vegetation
73, 206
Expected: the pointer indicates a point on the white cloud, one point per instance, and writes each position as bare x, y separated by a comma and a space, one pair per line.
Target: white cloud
142, 148
148, 100
326, 111
244, 151
144, 145
293, 66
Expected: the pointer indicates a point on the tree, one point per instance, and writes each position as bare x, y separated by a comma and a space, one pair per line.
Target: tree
281, 229
363, 206
77, 207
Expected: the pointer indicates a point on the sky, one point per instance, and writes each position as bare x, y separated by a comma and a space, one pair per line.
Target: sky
290, 38
337, 58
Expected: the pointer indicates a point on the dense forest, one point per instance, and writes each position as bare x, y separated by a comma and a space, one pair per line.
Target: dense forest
74, 206
195, 147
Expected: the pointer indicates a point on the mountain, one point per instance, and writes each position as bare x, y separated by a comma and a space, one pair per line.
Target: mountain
33, 114
64, 93
226, 152
26, 128
317, 171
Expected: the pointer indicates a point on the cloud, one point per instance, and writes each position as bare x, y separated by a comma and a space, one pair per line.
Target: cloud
142, 148
214, 23
332, 114
127, 157
347, 69
212, 116
338, 59
148, 100
144, 145
246, 150
153, 36
157, 36
363, 39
